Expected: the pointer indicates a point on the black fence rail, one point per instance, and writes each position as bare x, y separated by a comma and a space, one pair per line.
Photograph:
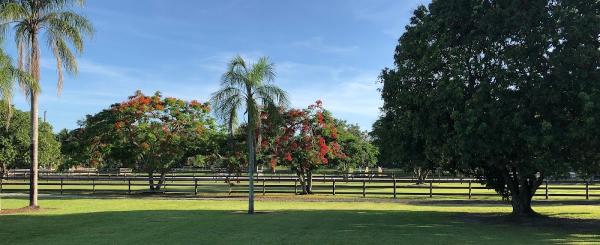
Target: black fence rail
211, 183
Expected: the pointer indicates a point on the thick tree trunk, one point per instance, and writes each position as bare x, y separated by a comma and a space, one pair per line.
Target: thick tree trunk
522, 189
305, 178
309, 182
151, 180
161, 181
522, 206
420, 175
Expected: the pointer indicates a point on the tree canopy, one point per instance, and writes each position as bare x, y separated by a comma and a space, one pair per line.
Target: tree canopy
148, 133
303, 139
15, 142
505, 91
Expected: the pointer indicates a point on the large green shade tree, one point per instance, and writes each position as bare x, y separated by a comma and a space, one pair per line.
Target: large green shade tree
505, 91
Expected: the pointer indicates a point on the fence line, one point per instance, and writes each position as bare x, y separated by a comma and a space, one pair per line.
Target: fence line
325, 184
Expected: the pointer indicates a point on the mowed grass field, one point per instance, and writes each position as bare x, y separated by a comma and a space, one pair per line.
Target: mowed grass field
297, 220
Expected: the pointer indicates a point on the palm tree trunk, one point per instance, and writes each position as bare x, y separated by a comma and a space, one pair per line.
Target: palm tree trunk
250, 143
33, 175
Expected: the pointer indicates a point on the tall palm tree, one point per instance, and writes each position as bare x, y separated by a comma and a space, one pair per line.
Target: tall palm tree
248, 86
64, 31
8, 76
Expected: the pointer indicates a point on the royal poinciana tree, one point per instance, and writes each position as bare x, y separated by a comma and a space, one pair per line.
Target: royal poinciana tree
505, 91
148, 133
305, 140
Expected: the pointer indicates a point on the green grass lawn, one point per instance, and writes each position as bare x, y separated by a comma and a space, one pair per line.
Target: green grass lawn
292, 221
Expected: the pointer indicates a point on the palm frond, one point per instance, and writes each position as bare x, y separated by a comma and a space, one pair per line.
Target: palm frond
65, 31
64, 58
8, 76
225, 99
236, 74
271, 94
261, 72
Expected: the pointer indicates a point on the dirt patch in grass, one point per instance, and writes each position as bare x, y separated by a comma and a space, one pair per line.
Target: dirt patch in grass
255, 212
22, 210
538, 221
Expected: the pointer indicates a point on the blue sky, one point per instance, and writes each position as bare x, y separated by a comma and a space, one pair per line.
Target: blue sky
329, 50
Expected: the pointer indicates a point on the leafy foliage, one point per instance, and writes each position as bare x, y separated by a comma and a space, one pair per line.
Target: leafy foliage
306, 140
356, 146
148, 133
505, 91
15, 142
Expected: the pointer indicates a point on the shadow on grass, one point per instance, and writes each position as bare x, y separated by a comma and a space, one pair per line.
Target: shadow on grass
282, 227
500, 202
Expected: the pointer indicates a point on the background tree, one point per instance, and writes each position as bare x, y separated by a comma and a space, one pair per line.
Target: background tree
248, 86
356, 146
7, 81
15, 142
499, 90
63, 30
413, 131
306, 140
148, 133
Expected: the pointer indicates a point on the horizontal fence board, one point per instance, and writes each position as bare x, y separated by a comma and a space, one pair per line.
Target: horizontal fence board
215, 183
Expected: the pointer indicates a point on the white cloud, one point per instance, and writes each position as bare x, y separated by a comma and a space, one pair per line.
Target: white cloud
318, 44
348, 92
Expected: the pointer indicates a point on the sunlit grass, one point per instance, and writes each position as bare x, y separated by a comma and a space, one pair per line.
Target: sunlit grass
152, 220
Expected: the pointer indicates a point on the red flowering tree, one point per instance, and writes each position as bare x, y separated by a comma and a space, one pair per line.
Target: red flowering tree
306, 140
149, 133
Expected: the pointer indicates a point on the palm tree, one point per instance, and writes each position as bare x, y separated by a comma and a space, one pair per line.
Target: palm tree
8, 76
64, 31
248, 86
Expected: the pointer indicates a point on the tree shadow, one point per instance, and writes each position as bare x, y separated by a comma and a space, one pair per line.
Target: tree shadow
285, 227
540, 203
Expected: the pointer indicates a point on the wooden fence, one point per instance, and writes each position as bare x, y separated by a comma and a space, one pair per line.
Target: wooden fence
358, 185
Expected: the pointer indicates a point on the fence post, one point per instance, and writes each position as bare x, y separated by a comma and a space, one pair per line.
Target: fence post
546, 190
61, 185
93, 186
394, 186
333, 187
264, 187
587, 190
129, 185
430, 188
364, 189
470, 189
